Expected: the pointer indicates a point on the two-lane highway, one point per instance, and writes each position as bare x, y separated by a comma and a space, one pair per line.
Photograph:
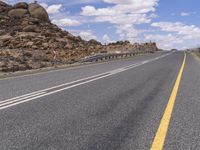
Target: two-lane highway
107, 106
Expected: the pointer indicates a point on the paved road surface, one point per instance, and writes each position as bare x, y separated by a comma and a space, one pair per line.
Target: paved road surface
110, 106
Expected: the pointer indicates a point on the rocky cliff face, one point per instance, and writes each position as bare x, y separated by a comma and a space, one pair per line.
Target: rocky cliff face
127, 46
28, 39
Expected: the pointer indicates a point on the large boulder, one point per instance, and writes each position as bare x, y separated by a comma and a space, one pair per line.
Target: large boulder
27, 38
17, 12
38, 11
21, 5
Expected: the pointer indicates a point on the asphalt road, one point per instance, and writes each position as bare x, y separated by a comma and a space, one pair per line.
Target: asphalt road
115, 105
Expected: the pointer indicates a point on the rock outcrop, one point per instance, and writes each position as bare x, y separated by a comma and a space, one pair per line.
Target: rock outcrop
28, 40
21, 5
128, 46
18, 12
36, 11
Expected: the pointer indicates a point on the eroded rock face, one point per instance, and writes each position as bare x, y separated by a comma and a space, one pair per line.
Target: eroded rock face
23, 9
18, 12
21, 5
28, 38
37, 11
127, 46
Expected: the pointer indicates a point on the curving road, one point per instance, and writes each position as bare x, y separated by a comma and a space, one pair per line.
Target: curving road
115, 105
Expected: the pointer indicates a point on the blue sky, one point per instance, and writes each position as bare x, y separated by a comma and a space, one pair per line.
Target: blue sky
170, 23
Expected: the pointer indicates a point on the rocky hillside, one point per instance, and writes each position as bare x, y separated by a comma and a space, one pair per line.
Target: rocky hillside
127, 46
28, 39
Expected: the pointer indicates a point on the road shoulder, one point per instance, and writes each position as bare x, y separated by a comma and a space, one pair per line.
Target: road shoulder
59, 68
195, 56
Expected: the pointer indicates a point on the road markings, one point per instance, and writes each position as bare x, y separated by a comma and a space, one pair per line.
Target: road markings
38, 94
22, 96
159, 139
9, 101
59, 69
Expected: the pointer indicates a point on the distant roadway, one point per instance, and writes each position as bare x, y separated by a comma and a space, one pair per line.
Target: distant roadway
140, 103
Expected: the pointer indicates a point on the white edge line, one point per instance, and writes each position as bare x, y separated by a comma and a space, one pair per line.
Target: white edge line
15, 100
61, 69
111, 73
18, 97
22, 96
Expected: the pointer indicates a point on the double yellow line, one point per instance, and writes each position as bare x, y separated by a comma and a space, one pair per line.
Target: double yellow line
161, 133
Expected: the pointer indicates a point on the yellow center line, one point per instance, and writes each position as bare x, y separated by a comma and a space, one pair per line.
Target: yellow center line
161, 133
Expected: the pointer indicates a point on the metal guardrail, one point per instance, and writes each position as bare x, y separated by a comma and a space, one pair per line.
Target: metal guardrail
95, 58
112, 56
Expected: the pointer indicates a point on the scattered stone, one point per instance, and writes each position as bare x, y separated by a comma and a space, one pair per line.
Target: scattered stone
29, 44
5, 38
30, 28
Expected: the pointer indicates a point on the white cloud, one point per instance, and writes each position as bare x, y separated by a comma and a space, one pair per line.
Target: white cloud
45, 5
175, 35
184, 14
127, 31
88, 10
66, 22
136, 7
52, 9
75, 2
165, 41
124, 14
106, 39
87, 35
58, 17
153, 15
179, 28
123, 19
118, 1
